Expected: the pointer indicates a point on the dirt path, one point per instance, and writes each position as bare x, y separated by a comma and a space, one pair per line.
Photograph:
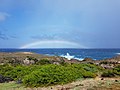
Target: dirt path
98, 84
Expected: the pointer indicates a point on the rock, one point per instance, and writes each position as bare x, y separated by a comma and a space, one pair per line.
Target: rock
19, 81
116, 80
5, 79
88, 59
27, 61
64, 88
102, 78
74, 61
79, 85
8, 79
2, 79
56, 63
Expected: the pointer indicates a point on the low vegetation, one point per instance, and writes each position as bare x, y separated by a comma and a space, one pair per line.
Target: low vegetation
48, 74
43, 62
115, 72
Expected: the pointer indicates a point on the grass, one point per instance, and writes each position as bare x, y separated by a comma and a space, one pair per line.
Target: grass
11, 86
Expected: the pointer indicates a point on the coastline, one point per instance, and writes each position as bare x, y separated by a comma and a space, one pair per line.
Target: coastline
96, 54
21, 56
29, 59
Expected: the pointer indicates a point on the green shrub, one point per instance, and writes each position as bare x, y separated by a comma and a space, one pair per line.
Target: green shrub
43, 62
88, 67
112, 73
16, 72
47, 74
5, 68
117, 70
104, 62
56, 74
108, 73
51, 75
88, 75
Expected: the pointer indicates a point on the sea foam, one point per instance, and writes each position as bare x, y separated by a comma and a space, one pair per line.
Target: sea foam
118, 53
68, 56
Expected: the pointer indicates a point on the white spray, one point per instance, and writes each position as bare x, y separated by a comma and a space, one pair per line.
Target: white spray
68, 56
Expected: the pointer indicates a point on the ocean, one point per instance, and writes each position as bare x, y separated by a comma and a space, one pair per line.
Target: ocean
80, 54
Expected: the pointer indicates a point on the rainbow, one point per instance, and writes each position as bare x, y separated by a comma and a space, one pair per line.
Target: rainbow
52, 44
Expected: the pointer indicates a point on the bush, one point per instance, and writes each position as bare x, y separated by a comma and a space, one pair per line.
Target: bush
5, 68
117, 70
16, 72
89, 75
43, 62
112, 73
108, 73
49, 74
57, 74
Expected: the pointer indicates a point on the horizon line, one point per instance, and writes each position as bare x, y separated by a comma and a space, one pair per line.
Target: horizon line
59, 48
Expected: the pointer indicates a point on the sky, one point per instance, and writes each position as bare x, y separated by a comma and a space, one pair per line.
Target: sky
59, 23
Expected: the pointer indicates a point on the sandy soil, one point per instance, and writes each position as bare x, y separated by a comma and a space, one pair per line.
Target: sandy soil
26, 52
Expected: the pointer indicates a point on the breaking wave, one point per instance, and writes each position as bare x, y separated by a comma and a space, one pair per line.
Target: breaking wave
118, 53
69, 57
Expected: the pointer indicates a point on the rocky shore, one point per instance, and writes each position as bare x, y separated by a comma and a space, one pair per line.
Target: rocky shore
31, 58
28, 58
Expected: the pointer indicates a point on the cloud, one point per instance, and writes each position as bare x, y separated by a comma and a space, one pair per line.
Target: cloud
3, 16
3, 36
6, 37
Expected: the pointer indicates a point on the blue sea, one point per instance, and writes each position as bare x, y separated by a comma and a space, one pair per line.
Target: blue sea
96, 54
